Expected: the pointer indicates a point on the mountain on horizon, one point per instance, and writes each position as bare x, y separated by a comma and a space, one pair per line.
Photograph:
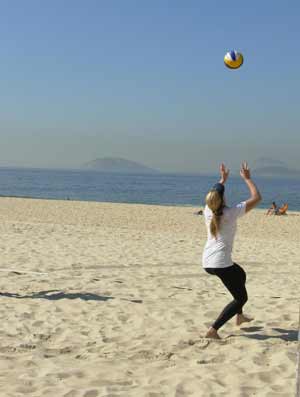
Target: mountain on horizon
269, 162
119, 165
274, 168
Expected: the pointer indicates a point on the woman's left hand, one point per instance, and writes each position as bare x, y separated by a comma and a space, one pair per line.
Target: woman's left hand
224, 173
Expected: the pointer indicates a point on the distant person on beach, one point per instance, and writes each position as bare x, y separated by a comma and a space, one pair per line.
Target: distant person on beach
221, 222
282, 210
273, 209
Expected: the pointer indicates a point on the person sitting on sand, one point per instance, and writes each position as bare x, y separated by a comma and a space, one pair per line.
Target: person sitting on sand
273, 209
282, 210
221, 223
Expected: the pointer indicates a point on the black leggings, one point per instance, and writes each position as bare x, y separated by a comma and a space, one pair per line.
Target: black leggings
234, 279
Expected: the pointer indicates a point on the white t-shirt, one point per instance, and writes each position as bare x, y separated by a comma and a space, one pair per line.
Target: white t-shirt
217, 251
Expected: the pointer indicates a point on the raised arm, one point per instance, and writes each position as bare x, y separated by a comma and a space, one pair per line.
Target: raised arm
224, 172
255, 196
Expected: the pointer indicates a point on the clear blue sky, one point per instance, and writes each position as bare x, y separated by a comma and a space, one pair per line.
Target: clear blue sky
146, 81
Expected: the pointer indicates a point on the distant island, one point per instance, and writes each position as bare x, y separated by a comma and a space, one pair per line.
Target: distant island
274, 168
271, 171
118, 165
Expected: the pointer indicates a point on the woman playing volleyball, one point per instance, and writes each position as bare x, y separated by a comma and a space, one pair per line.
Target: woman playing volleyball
221, 224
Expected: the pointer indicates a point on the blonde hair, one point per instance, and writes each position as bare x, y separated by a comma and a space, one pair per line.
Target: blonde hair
216, 203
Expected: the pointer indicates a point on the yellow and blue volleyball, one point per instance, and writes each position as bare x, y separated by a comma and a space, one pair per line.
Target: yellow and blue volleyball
233, 59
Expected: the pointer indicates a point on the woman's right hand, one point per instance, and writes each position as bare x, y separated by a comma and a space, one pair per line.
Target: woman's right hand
255, 196
245, 171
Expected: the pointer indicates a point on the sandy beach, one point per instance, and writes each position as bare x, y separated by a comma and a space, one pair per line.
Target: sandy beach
110, 300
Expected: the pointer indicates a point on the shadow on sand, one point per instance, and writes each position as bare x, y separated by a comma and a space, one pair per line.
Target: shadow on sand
54, 295
287, 335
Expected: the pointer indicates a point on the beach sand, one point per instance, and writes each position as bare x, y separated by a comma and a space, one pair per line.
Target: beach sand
119, 303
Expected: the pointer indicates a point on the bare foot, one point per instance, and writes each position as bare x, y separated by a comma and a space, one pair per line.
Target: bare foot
241, 318
212, 334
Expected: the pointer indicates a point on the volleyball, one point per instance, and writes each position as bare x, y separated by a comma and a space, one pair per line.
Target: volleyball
233, 59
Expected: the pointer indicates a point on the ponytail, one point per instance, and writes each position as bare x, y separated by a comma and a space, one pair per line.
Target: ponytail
216, 203
215, 223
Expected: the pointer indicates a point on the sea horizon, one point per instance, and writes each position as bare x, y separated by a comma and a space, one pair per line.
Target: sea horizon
173, 189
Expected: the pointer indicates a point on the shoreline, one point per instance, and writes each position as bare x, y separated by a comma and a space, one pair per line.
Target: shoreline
291, 212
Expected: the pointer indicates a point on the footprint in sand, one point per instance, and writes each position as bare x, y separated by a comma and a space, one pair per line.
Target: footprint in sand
71, 393
91, 393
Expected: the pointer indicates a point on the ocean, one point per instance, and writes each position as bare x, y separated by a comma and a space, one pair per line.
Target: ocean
161, 189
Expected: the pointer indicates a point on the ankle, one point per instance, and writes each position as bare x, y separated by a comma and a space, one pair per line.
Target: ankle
212, 333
